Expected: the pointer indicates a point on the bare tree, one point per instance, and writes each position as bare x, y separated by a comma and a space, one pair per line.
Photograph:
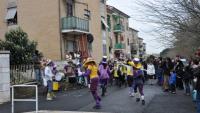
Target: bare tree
179, 18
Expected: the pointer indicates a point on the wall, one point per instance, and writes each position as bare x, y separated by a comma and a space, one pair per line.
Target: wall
5, 76
3, 25
40, 19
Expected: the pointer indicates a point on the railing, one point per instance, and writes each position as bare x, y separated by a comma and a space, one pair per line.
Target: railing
118, 28
25, 100
20, 74
75, 23
119, 46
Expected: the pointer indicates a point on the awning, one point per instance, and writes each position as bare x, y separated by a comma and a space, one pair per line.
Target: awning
104, 22
11, 13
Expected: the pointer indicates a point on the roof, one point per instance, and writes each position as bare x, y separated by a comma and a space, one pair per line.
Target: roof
140, 38
117, 10
133, 29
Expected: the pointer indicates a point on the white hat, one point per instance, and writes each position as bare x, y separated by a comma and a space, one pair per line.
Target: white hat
48, 61
136, 59
104, 56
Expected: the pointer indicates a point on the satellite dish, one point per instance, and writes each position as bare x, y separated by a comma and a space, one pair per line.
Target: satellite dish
90, 38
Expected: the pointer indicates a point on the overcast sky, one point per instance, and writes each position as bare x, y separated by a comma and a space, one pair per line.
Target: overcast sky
134, 10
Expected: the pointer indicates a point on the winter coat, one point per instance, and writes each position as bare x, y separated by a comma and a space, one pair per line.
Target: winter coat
150, 69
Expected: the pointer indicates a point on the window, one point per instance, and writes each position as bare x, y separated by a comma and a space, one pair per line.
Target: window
103, 1
116, 38
104, 49
70, 8
11, 16
103, 23
128, 41
109, 22
70, 46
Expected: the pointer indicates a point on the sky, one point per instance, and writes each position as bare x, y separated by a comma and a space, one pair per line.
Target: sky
136, 21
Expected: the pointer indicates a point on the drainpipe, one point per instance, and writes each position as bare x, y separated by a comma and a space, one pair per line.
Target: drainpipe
60, 31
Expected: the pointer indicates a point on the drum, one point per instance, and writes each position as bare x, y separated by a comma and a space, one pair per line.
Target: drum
55, 86
58, 76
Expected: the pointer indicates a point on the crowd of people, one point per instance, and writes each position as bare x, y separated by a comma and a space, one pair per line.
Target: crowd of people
171, 74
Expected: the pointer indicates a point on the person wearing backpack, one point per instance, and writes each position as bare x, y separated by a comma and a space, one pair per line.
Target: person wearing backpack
104, 76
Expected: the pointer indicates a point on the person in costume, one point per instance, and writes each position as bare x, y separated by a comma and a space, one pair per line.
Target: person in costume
130, 77
49, 78
116, 76
138, 79
92, 73
104, 72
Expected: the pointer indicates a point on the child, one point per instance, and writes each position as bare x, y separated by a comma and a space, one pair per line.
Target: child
172, 82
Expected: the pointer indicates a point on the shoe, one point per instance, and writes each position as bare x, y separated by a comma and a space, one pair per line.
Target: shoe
99, 99
143, 102
97, 107
137, 99
188, 94
166, 90
49, 97
53, 95
173, 92
132, 94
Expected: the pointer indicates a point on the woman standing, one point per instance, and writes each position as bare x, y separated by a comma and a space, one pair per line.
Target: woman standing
179, 70
92, 73
150, 72
167, 68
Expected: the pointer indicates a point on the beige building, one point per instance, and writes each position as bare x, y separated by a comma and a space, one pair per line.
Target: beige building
119, 40
134, 42
142, 48
59, 26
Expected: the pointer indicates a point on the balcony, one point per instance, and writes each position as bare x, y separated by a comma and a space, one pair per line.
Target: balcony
119, 46
118, 28
74, 24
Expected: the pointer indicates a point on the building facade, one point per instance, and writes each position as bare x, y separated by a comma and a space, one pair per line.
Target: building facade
119, 42
59, 26
134, 45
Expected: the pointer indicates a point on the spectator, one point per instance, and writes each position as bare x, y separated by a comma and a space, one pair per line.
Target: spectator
172, 82
37, 66
150, 72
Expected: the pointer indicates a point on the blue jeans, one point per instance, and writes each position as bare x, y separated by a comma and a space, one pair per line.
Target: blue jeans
50, 86
198, 101
37, 75
187, 87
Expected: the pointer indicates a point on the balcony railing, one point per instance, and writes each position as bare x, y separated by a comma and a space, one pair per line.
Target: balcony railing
75, 23
118, 28
120, 46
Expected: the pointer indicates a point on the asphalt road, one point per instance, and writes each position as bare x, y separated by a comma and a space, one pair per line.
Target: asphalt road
116, 101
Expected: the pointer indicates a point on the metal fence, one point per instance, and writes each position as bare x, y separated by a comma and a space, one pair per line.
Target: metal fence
20, 74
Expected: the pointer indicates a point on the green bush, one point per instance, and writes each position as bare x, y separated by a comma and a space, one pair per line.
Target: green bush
20, 47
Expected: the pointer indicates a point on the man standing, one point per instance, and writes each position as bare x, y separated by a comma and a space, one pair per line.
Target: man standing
37, 65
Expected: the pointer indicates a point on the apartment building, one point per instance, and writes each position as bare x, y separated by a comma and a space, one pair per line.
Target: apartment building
119, 42
59, 26
104, 27
142, 47
134, 42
